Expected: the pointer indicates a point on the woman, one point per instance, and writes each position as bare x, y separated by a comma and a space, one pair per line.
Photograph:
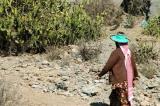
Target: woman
123, 72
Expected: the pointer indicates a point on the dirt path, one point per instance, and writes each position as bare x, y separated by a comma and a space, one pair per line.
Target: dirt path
37, 98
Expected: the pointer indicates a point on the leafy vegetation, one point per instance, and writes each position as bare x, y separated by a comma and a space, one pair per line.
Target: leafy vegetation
153, 27
31, 25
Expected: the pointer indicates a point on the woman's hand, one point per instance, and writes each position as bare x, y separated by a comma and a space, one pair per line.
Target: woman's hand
135, 82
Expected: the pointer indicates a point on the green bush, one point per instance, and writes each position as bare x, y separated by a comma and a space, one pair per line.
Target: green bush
27, 25
153, 27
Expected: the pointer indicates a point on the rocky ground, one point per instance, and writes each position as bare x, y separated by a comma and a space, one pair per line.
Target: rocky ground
70, 81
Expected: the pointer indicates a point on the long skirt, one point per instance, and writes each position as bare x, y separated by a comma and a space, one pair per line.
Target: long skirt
119, 95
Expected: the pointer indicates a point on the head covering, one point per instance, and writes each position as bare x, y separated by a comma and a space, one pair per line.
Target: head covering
120, 38
128, 64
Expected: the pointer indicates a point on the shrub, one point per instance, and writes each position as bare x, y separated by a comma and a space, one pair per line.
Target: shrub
53, 53
153, 27
106, 9
34, 24
128, 22
89, 52
144, 52
148, 70
136, 7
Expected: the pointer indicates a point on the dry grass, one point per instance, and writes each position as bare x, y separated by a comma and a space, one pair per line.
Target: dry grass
112, 14
53, 53
9, 95
89, 52
149, 70
144, 52
146, 55
128, 22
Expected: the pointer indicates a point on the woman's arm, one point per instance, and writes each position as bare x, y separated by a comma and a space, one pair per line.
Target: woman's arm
110, 63
134, 68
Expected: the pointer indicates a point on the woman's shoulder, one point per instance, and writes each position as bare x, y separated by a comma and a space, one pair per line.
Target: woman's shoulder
117, 50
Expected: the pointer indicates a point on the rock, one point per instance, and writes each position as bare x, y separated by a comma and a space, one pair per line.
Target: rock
100, 81
36, 86
79, 60
90, 90
33, 83
3, 68
17, 69
61, 86
75, 53
63, 73
24, 65
50, 80
45, 90
83, 96
40, 79
52, 87
66, 93
56, 66
114, 27
25, 78
45, 62
94, 70
65, 55
65, 78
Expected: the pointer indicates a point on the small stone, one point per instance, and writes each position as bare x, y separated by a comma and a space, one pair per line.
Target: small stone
114, 27
36, 86
25, 78
65, 78
50, 80
3, 68
56, 66
84, 96
90, 90
79, 60
45, 63
40, 79
93, 70
61, 86
17, 70
100, 81
45, 90
24, 66
68, 94
52, 87
50, 76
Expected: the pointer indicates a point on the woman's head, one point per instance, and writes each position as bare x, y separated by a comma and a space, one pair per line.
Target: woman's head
120, 44
120, 39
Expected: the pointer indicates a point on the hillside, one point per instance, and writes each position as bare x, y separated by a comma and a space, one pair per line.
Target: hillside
70, 81
50, 54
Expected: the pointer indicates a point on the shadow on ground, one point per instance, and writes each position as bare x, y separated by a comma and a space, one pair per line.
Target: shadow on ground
98, 104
